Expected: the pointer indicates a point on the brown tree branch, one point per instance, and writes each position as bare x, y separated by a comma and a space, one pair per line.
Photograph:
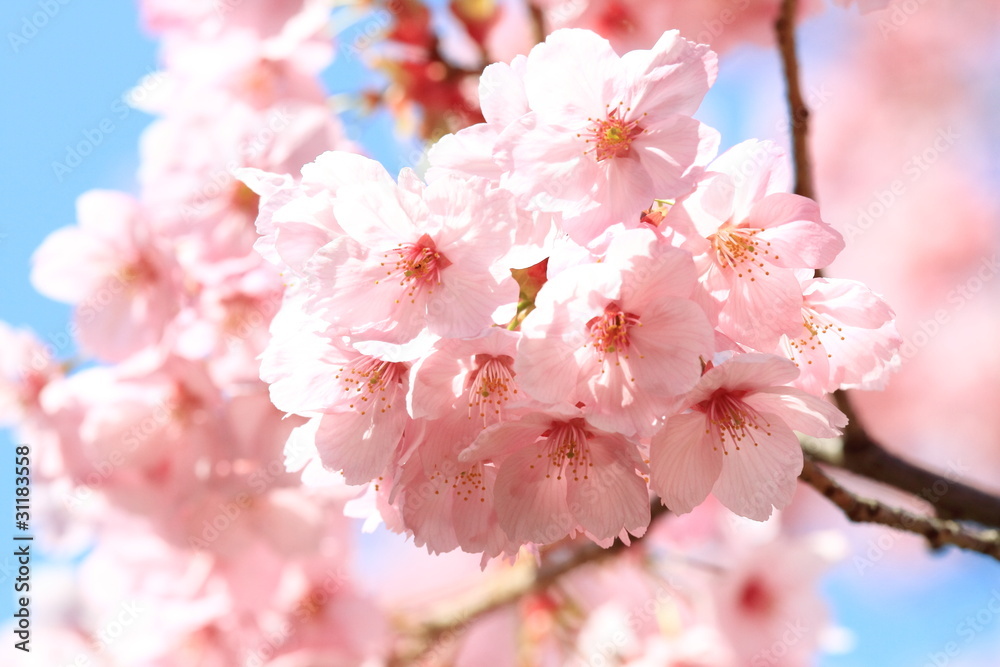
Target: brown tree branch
951, 498
861, 453
938, 532
513, 585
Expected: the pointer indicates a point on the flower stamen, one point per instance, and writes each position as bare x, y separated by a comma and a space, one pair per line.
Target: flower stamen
612, 136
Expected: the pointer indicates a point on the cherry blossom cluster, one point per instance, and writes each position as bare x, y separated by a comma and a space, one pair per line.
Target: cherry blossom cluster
169, 453
581, 305
578, 308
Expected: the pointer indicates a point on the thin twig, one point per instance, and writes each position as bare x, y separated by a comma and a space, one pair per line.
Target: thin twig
938, 532
507, 588
797, 110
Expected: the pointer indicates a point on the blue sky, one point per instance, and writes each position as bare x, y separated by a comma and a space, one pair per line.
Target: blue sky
65, 71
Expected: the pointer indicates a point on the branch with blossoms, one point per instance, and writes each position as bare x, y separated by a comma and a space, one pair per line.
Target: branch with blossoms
859, 452
577, 316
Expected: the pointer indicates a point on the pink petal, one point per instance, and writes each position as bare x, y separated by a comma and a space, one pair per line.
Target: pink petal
611, 496
463, 305
555, 84
760, 168
672, 77
669, 150
755, 479
435, 383
668, 346
361, 445
798, 237
501, 93
530, 498
684, 462
758, 312
802, 412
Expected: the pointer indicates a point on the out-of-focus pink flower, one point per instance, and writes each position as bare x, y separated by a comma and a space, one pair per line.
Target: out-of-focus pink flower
865, 6
116, 270
736, 441
635, 24
769, 594
26, 367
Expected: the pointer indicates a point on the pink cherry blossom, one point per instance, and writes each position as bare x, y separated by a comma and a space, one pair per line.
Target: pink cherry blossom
736, 440
848, 339
474, 376
748, 235
621, 337
600, 145
415, 256
26, 367
356, 401
558, 475
116, 270
447, 503
770, 590
632, 24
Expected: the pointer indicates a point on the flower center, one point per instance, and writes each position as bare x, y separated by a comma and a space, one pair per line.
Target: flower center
491, 385
609, 332
417, 264
566, 450
373, 382
755, 597
465, 485
735, 248
732, 420
816, 327
612, 136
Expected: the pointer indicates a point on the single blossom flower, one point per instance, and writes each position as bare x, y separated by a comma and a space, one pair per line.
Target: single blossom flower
749, 235
559, 475
620, 337
414, 256
848, 338
118, 272
735, 439
605, 134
